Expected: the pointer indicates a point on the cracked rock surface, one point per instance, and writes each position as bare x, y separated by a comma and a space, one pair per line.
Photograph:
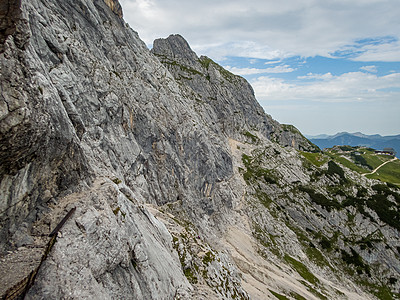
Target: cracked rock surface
183, 187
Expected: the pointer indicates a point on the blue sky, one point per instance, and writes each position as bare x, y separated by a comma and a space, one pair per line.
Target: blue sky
324, 66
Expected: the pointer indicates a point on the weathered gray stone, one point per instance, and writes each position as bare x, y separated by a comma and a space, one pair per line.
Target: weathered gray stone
150, 148
228, 97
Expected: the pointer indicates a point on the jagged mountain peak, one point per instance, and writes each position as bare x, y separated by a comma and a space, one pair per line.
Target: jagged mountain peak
176, 48
230, 96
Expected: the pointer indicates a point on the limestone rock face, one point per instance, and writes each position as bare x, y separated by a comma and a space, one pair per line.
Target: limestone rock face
10, 12
183, 187
115, 7
229, 96
85, 100
115, 247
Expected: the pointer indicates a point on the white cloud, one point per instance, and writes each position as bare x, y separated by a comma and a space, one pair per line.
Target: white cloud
388, 52
348, 87
371, 69
323, 103
251, 71
272, 62
326, 76
269, 29
243, 48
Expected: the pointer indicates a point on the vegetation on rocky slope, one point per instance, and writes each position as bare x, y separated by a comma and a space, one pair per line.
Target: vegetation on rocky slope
364, 160
332, 195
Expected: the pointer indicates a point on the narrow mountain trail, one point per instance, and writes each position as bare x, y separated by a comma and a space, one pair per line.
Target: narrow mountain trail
380, 166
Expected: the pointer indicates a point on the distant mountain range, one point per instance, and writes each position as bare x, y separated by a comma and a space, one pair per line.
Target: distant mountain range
375, 141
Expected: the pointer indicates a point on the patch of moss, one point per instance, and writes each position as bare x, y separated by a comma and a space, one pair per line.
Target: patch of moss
301, 269
316, 256
254, 171
208, 258
263, 198
116, 180
290, 128
254, 139
315, 292
190, 276
279, 296
382, 292
205, 62
266, 240
325, 243
297, 296
311, 251
182, 67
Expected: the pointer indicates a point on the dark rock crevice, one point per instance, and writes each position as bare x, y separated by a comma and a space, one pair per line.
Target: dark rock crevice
10, 12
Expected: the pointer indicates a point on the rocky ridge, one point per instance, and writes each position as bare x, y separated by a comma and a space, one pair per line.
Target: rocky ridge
229, 96
184, 188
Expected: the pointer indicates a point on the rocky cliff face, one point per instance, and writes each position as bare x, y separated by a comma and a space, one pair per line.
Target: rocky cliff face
229, 96
183, 186
9, 15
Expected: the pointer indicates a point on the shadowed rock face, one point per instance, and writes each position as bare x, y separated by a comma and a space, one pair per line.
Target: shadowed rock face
10, 11
39, 153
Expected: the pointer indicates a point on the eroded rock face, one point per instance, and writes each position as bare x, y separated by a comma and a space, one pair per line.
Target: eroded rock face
183, 186
115, 7
10, 11
39, 152
229, 97
115, 247
86, 99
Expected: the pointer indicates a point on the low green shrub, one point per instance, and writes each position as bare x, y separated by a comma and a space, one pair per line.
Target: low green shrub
301, 269
356, 260
320, 199
335, 169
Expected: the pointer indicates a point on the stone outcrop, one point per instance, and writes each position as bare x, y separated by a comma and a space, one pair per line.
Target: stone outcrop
115, 7
183, 187
230, 96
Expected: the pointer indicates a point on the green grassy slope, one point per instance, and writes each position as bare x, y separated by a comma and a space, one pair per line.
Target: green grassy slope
360, 159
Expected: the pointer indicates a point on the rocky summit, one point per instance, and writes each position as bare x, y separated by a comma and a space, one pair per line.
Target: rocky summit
135, 174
